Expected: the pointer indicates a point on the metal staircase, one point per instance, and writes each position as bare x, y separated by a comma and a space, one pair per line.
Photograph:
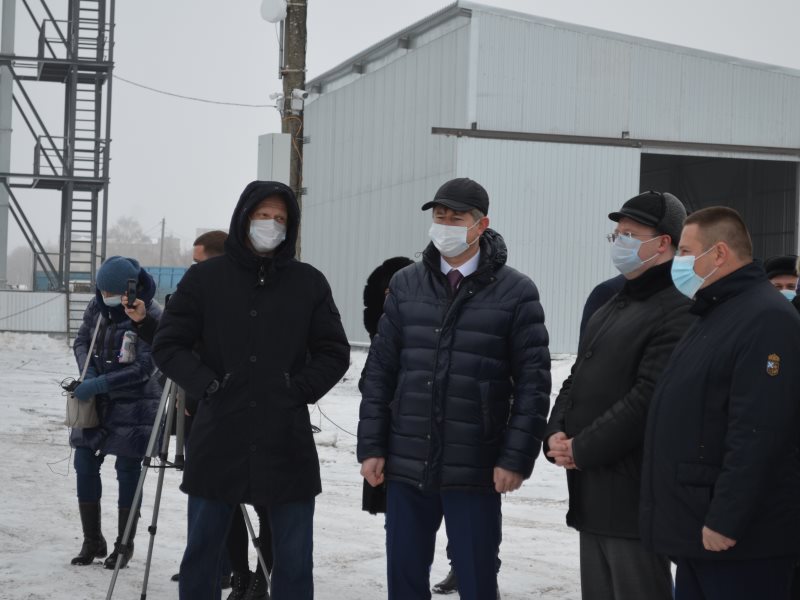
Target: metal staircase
78, 54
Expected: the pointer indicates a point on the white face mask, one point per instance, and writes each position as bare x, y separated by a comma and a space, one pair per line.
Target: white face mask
266, 234
112, 301
450, 240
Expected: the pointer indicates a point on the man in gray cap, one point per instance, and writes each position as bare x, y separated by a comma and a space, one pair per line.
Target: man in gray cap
597, 425
461, 333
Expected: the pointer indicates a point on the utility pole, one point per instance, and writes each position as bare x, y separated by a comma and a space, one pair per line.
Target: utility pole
161, 249
6, 93
293, 73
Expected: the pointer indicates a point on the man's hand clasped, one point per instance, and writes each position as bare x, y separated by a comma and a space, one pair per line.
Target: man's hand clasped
561, 450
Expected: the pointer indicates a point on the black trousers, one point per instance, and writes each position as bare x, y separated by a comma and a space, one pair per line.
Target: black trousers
699, 579
622, 569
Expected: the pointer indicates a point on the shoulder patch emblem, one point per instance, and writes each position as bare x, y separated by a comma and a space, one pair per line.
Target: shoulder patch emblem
773, 365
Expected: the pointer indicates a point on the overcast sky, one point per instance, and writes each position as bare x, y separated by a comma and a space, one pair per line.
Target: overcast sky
188, 161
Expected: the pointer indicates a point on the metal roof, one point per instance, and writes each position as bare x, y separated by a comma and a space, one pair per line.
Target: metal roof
402, 39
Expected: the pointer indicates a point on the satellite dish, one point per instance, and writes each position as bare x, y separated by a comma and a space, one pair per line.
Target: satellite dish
273, 11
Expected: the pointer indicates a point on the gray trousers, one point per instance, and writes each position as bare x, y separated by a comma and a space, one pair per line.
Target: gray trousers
622, 569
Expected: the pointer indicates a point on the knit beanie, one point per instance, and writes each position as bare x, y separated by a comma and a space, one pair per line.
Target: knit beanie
114, 274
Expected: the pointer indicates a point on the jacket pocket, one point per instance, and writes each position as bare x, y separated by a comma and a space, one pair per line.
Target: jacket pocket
292, 393
494, 407
697, 481
394, 405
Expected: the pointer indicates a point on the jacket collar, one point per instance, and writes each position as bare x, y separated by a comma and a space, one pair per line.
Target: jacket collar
492, 257
652, 281
728, 287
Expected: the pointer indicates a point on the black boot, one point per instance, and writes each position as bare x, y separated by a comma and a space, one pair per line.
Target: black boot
240, 582
94, 544
448, 585
258, 587
124, 553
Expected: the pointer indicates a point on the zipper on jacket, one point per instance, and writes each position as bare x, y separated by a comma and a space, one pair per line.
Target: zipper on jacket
262, 275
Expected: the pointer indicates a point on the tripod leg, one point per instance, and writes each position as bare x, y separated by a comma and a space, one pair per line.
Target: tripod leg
257, 544
161, 415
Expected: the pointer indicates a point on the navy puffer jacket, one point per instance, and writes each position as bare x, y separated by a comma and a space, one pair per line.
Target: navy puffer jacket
128, 409
442, 370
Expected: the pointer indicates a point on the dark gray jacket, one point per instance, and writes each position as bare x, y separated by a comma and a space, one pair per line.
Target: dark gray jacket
441, 372
603, 403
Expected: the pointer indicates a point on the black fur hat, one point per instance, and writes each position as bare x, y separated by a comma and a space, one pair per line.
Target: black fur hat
375, 291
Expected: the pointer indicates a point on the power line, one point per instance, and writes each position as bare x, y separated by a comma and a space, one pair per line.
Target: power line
193, 98
333, 422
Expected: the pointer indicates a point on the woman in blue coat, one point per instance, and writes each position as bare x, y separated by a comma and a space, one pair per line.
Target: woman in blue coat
120, 377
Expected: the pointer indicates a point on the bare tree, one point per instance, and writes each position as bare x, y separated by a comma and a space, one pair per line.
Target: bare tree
127, 230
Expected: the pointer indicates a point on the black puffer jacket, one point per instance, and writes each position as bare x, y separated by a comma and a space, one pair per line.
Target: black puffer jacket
724, 427
441, 371
603, 404
269, 331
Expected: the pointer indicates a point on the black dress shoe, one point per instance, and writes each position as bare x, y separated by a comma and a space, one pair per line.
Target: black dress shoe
448, 585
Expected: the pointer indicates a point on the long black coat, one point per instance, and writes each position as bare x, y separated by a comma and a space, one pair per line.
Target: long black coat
723, 430
603, 403
441, 371
128, 410
269, 331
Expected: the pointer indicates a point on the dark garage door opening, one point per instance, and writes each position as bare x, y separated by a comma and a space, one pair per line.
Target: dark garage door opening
763, 191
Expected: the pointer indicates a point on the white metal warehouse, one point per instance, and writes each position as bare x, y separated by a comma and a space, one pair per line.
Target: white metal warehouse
560, 123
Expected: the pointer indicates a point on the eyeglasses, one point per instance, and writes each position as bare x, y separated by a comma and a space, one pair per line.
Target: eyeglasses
615, 235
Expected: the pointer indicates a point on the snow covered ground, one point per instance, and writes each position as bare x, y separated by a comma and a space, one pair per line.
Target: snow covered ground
40, 529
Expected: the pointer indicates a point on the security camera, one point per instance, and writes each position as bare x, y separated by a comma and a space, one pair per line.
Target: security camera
299, 94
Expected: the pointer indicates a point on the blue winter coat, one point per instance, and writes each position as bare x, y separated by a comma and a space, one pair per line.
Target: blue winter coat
128, 409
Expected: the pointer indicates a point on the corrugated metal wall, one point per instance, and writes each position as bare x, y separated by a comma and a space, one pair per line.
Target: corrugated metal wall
543, 77
33, 311
551, 202
372, 162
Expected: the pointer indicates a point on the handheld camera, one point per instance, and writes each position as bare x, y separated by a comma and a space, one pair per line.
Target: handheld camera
131, 292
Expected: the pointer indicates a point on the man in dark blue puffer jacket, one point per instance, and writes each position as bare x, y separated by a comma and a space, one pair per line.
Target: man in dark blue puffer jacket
461, 333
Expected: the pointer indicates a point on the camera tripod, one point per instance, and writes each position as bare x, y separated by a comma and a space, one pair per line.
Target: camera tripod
162, 427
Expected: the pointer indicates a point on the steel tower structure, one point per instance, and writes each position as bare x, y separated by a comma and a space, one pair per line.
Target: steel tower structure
76, 56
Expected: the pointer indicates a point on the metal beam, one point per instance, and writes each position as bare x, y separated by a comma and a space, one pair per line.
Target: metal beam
524, 136
10, 57
6, 101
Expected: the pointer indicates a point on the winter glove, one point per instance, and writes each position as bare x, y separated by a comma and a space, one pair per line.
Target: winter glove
91, 387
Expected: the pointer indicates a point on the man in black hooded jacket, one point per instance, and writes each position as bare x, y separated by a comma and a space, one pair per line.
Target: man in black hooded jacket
268, 341
461, 331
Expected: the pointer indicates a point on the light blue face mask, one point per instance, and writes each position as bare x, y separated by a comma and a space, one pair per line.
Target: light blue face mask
112, 301
789, 294
625, 253
686, 281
